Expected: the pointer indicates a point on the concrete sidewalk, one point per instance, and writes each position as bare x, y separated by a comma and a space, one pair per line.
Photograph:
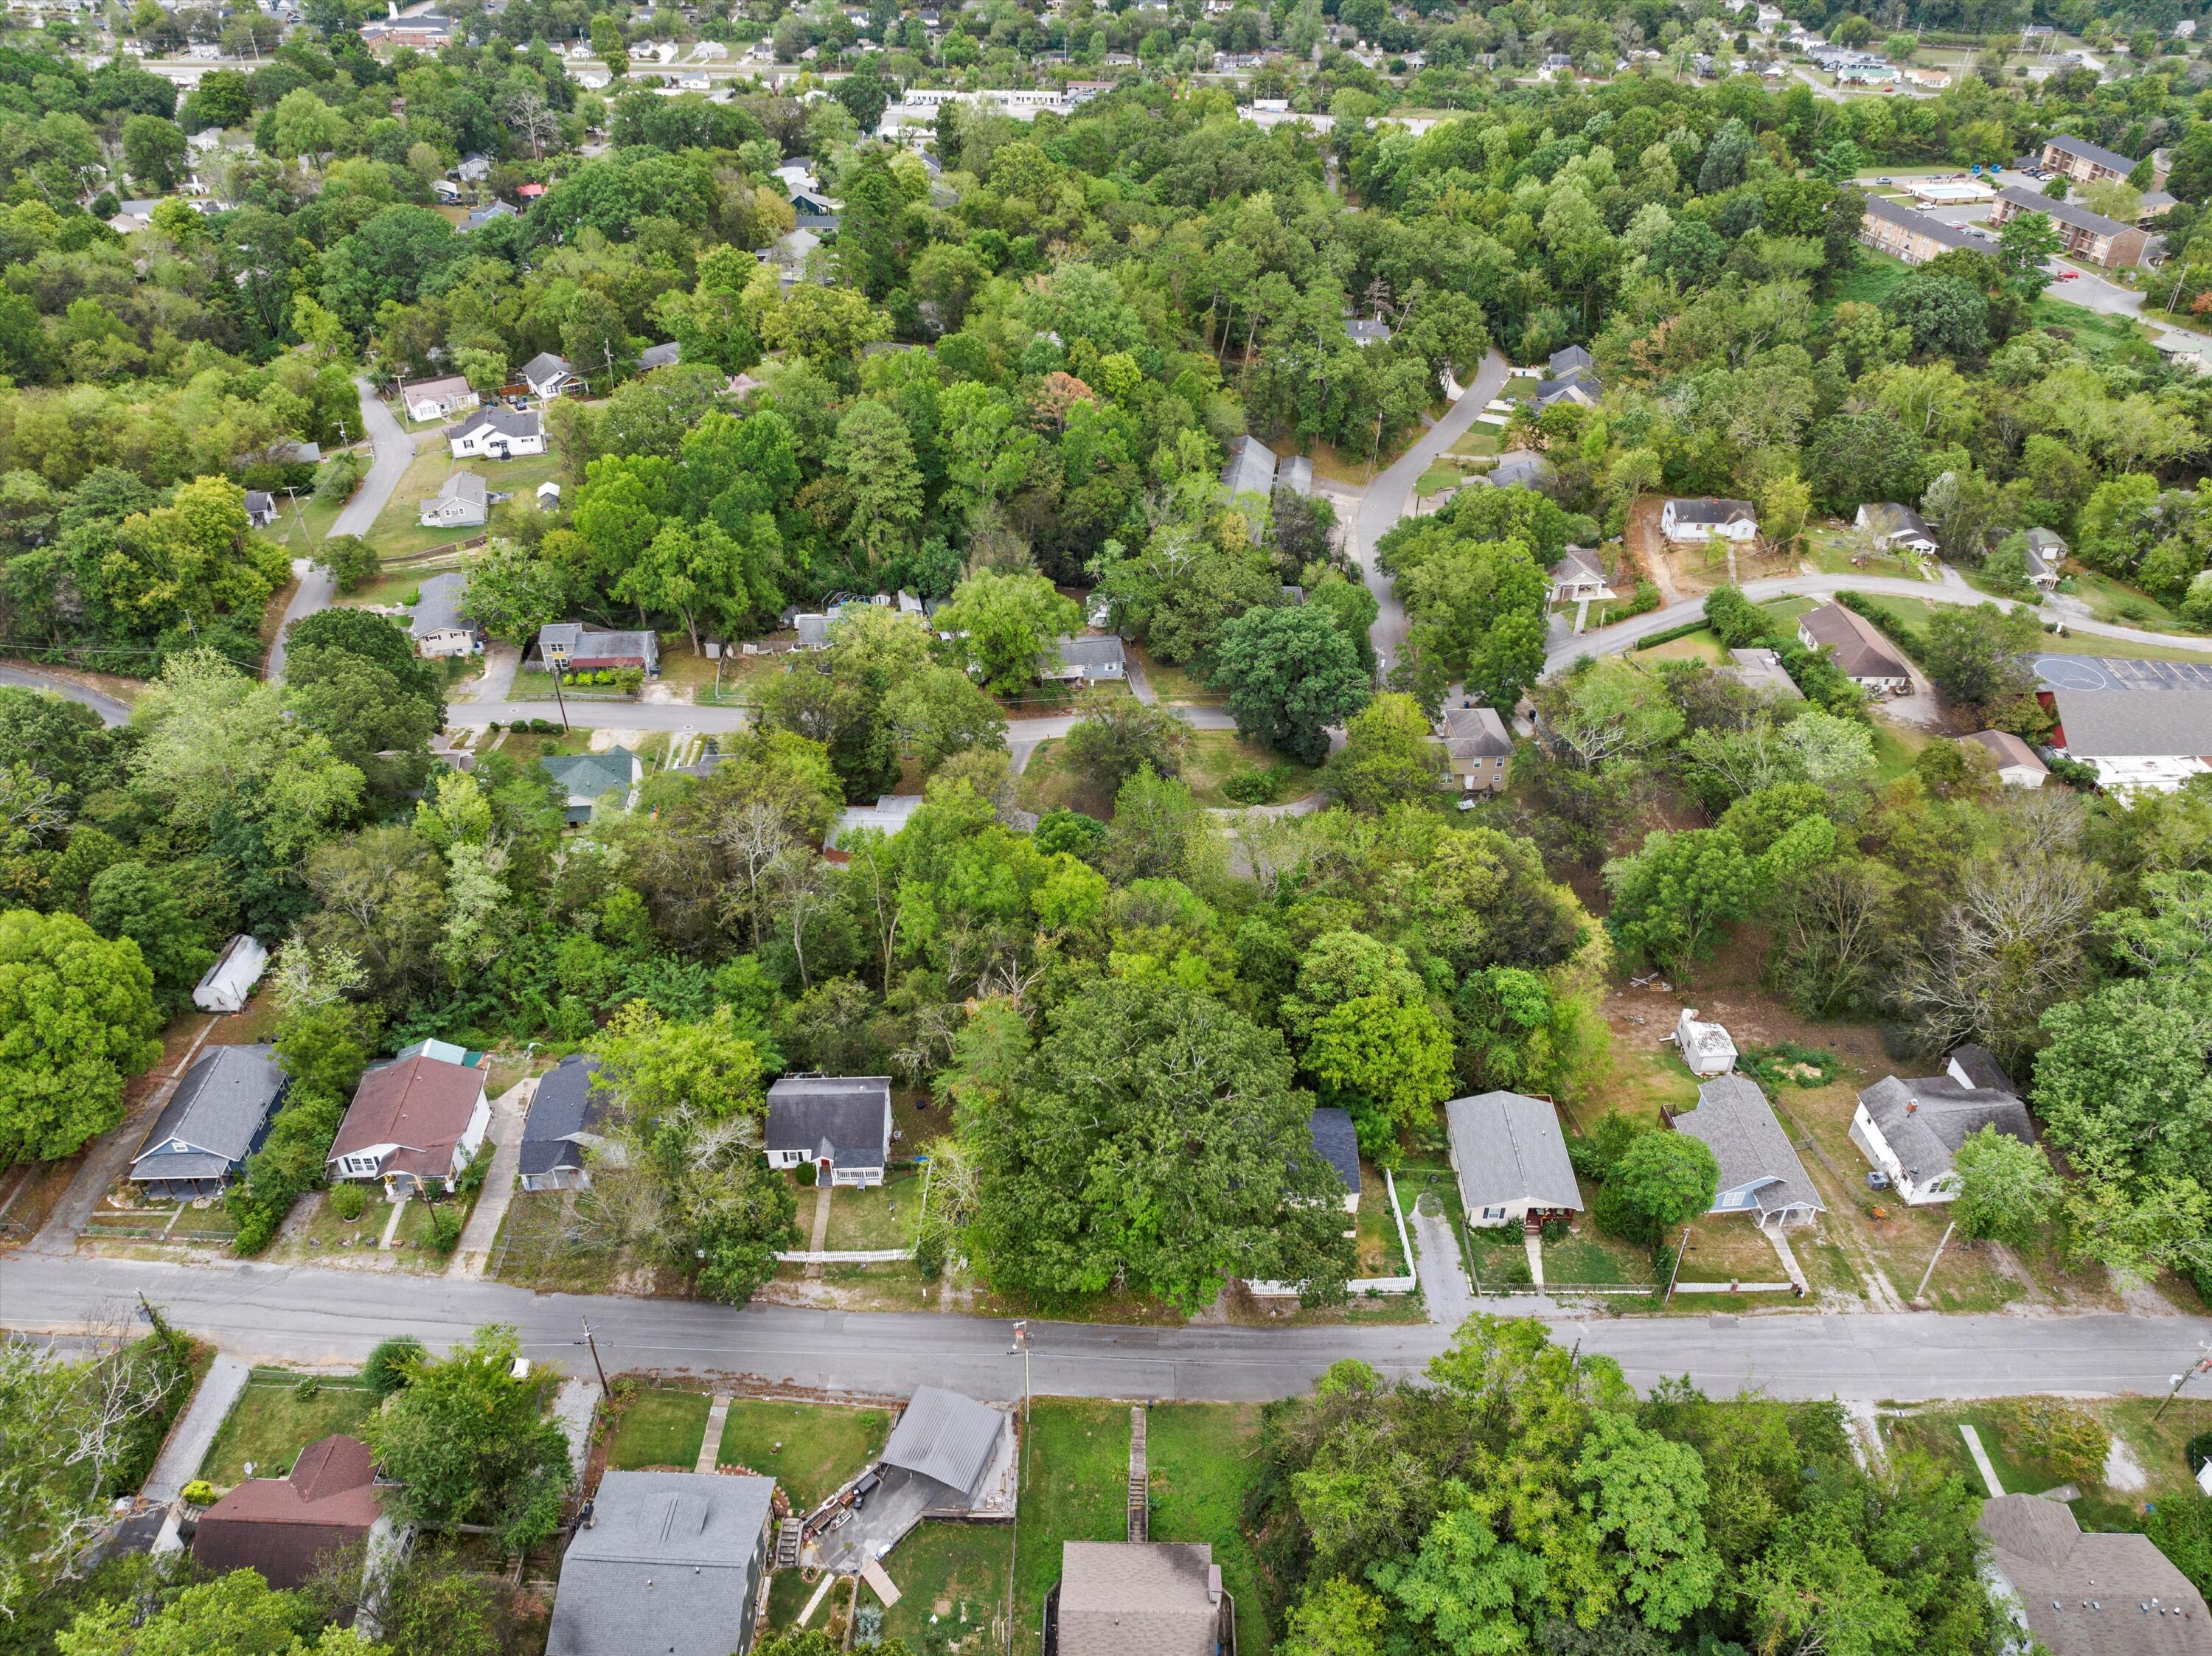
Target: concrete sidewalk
191, 1437
473, 1254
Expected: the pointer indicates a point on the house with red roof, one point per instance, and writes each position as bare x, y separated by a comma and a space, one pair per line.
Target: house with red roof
414, 1121
284, 1526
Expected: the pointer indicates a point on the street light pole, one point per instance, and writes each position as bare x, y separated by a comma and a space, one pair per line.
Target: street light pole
2203, 1365
596, 1363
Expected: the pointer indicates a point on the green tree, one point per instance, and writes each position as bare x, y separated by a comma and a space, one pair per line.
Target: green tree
1660, 1179
1010, 622
937, 712
2007, 1190
655, 1067
1972, 655
234, 1615
77, 1017
873, 453
1671, 900
1291, 673
466, 1442
1646, 1496
1119, 736
1388, 757
129, 900
608, 45
154, 150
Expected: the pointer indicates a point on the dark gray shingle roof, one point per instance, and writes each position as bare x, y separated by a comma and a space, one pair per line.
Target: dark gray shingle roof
841, 1117
218, 1107
1927, 1118
438, 607
2128, 724
1337, 1143
2092, 152
1141, 1598
690, 1535
1734, 1121
566, 1105
1509, 1148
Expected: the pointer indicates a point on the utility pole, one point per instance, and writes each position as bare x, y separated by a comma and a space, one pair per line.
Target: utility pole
2203, 1365
596, 1363
558, 698
1922, 1290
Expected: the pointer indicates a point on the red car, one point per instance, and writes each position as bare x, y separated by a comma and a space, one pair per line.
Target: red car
2069, 275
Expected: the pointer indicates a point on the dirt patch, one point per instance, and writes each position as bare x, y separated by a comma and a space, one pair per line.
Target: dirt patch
2124, 1473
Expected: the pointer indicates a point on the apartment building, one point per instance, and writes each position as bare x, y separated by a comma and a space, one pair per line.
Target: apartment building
1892, 228
2082, 234
2085, 162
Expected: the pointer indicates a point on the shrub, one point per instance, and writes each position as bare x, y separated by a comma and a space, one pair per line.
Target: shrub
473, 1176
386, 1370
929, 1254
291, 1161
2181, 1528
544, 727
347, 1201
199, 1492
805, 1173
1256, 787
445, 1227
308, 1388
1786, 1061
630, 681
2063, 1436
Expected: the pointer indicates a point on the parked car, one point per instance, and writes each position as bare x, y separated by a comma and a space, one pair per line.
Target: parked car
2069, 275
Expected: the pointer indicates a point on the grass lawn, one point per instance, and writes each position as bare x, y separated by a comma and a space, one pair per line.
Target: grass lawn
1830, 552
524, 747
953, 1580
303, 524
1052, 780
661, 1426
787, 1593
2114, 338
1214, 756
2110, 600
1727, 1247
822, 1444
861, 1220
1595, 1258
272, 1421
1200, 1456
1479, 441
2157, 1448
536, 1249
1379, 1252
1700, 646
1172, 682
1076, 1490
535, 684
1895, 748
742, 676
1499, 1254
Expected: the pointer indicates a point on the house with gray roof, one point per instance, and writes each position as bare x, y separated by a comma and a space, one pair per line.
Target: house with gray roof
1577, 385
1138, 1598
2078, 1592
586, 779
954, 1443
1250, 467
1337, 1143
497, 434
1478, 747
260, 508
216, 1117
842, 1124
1762, 670
665, 1562
548, 376
1910, 1129
437, 624
1709, 519
577, 648
1364, 333
566, 1114
2046, 551
1760, 1173
2134, 740
1511, 1159
461, 503
1577, 575
1565, 360
1296, 474
665, 355
1090, 660
1901, 528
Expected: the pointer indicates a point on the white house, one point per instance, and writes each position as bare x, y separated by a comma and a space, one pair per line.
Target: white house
230, 982
1706, 1047
1760, 1172
840, 1124
1910, 1130
1709, 519
548, 376
438, 399
417, 1121
1511, 1159
459, 503
1577, 576
497, 434
549, 496
438, 627
2017, 765
1860, 653
1901, 528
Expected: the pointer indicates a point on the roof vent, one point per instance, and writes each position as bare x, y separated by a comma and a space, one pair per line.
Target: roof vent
1213, 1584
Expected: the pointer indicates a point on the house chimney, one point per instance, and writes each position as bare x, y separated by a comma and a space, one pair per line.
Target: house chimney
1213, 1584
585, 1517
1912, 1107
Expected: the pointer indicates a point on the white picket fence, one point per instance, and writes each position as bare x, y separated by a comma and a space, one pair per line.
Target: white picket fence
876, 1256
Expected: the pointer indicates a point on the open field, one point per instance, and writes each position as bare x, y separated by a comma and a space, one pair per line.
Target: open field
953, 1580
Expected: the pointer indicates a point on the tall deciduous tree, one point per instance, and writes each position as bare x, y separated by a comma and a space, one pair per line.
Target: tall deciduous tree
77, 1017
1009, 623
1291, 673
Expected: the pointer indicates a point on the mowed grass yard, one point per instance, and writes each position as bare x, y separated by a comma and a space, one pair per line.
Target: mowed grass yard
1203, 1463
661, 1426
273, 1419
824, 1444
952, 1578
1076, 1490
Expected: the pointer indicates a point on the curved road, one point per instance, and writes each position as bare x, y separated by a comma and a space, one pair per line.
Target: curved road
1623, 634
111, 711
309, 1314
394, 450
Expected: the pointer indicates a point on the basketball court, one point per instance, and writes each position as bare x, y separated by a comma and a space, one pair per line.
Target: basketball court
2117, 673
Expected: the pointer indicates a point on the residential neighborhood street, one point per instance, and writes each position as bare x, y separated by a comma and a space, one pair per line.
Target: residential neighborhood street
312, 1316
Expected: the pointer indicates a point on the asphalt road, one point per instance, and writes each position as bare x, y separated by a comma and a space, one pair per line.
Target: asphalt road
1623, 634
111, 711
394, 450
307, 1315
1385, 503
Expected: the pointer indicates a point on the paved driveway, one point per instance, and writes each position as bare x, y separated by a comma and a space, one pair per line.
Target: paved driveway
193, 1436
508, 1110
393, 450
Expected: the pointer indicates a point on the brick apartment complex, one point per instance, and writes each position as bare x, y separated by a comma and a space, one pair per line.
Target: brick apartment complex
2085, 163
1891, 228
2085, 235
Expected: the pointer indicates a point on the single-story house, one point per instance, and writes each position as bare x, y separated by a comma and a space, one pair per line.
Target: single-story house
1580, 575
1579, 387
2017, 765
1709, 519
665, 1562
1761, 1173
1478, 747
1564, 361
1707, 1048
447, 192
565, 1113
414, 1120
1863, 654
1364, 333
1296, 474
1511, 1159
497, 434
1138, 1598
1521, 468
2045, 553
438, 399
842, 1124
1900, 526
1909, 1130
1250, 467
2134, 740
2098, 1593
218, 1116
475, 168
1762, 670
1086, 661
585, 778
437, 625
282, 1527
484, 214
550, 376
227, 985
577, 648
260, 508
1336, 1142
461, 503
664, 356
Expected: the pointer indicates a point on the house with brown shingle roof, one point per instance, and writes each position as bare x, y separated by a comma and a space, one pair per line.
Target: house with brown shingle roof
2089, 1594
283, 1526
1866, 657
415, 1120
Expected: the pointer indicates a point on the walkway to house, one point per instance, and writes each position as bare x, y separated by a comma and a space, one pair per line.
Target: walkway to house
1788, 1256
1535, 1246
821, 1242
1981, 1459
710, 1446
508, 1110
573, 1406
392, 1223
190, 1438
